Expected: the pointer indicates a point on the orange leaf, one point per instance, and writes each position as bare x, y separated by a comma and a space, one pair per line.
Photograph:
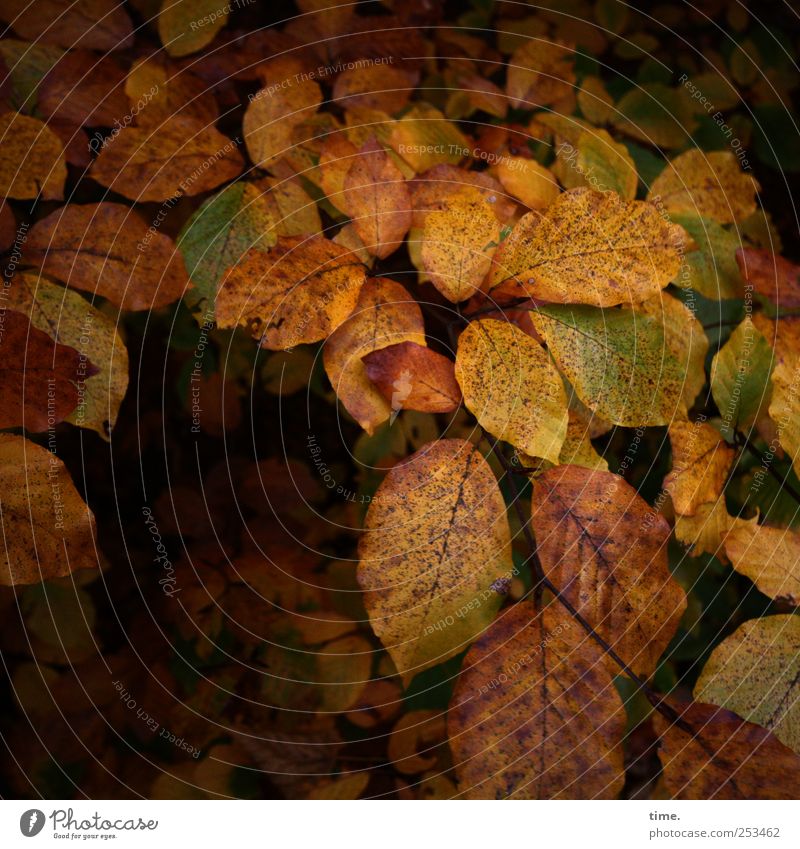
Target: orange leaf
48, 531
299, 291
378, 200
413, 377
771, 276
31, 159
108, 250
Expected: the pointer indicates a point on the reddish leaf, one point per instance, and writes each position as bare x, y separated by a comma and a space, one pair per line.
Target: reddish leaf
771, 276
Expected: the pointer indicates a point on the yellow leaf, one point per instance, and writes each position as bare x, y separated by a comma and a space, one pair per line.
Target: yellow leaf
186, 26
591, 248
458, 242
711, 185
755, 672
512, 387
436, 538
524, 178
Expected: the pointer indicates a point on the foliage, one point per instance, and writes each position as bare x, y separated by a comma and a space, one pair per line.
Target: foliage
402, 400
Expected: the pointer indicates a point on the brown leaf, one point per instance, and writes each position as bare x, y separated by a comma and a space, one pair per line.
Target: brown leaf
378, 200
535, 714
37, 375
771, 276
48, 531
720, 756
84, 88
108, 250
93, 24
31, 159
181, 156
413, 377
605, 549
299, 291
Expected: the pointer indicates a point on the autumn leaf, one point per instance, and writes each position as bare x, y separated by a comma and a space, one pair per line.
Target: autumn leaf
591, 248
711, 185
715, 754
704, 531
755, 672
512, 387
435, 539
597, 162
378, 200
710, 267
385, 314
701, 461
38, 377
186, 26
84, 89
70, 320
528, 181
432, 189
300, 291
380, 87
770, 557
605, 549
534, 714
31, 159
64, 23
784, 408
219, 234
457, 244
108, 249
181, 157
655, 114
48, 531
771, 276
740, 374
618, 362
274, 113
540, 73
411, 376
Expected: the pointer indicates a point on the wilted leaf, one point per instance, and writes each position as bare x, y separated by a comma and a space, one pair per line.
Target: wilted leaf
378, 200
701, 461
181, 157
108, 250
413, 377
48, 531
435, 538
721, 756
385, 315
38, 376
705, 531
771, 276
711, 185
31, 159
512, 388
617, 360
458, 242
219, 234
605, 549
755, 672
770, 557
414, 740
69, 319
591, 248
535, 714
300, 291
